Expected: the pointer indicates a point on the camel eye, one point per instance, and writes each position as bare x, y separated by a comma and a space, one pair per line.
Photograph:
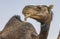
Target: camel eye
27, 13
38, 8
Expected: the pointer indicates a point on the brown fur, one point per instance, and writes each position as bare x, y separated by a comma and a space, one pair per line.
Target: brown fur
17, 29
42, 14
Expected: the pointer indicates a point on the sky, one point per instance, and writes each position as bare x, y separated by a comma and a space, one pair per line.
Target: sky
9, 8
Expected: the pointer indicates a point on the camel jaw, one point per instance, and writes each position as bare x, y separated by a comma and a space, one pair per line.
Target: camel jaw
34, 16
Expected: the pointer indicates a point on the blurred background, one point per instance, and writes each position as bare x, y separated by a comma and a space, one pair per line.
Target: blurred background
9, 8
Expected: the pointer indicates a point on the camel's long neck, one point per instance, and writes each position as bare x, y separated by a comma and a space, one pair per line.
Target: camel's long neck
44, 31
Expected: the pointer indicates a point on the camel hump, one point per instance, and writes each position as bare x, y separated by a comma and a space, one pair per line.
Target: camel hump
17, 29
16, 17
13, 21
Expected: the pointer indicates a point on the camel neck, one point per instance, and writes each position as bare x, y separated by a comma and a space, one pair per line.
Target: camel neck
44, 31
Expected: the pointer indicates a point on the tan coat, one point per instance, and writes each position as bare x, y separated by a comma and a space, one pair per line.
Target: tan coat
17, 29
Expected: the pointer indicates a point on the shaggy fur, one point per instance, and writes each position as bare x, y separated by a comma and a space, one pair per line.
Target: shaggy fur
17, 29
42, 14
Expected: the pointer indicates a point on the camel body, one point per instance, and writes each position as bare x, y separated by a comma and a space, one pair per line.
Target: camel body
17, 29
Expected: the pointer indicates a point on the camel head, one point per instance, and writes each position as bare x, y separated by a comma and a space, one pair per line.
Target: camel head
41, 13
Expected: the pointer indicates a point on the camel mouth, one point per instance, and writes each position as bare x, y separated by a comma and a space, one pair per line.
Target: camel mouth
33, 16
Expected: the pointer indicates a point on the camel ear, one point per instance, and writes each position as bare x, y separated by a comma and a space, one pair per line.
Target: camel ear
51, 7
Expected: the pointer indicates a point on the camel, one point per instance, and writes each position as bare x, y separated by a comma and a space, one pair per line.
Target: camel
18, 29
42, 14
58, 36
